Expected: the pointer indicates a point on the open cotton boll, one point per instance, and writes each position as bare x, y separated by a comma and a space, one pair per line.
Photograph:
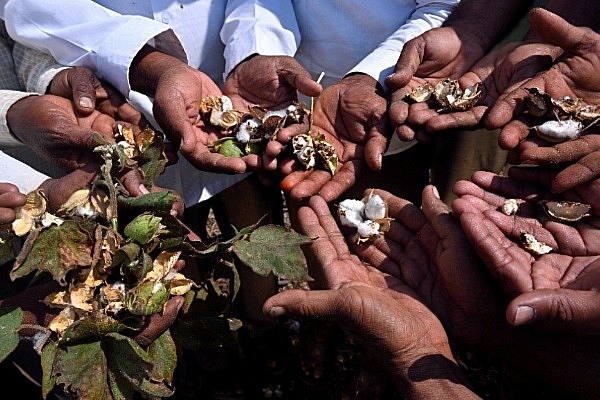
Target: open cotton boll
246, 130
350, 212
559, 131
375, 208
367, 229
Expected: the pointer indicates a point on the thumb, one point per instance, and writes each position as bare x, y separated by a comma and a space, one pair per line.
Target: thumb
556, 30
560, 310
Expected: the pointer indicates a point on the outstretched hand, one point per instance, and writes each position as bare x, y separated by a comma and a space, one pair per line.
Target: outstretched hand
378, 309
557, 290
573, 75
352, 116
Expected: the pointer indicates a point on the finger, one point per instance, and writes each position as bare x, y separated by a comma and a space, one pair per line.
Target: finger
83, 83
560, 153
585, 170
158, 323
409, 61
301, 80
563, 310
334, 186
312, 303
556, 30
455, 120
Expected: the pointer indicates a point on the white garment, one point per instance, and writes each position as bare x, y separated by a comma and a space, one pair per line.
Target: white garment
105, 35
334, 37
19, 174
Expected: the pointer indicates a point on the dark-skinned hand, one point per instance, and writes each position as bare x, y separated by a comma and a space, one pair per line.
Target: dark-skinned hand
574, 75
557, 291
10, 199
274, 88
381, 311
352, 116
178, 89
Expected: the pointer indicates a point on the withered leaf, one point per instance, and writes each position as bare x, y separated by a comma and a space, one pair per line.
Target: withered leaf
58, 250
82, 369
273, 248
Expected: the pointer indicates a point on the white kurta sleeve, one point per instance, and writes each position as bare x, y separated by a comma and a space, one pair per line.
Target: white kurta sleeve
427, 15
82, 33
19, 174
267, 27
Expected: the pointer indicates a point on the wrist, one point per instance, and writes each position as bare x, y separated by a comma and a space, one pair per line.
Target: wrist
148, 66
432, 375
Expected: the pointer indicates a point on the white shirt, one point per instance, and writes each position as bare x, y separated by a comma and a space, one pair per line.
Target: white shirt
334, 37
106, 35
19, 174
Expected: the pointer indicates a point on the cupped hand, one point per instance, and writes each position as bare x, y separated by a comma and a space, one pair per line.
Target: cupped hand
352, 116
382, 312
436, 54
573, 75
274, 88
428, 250
10, 199
557, 290
500, 71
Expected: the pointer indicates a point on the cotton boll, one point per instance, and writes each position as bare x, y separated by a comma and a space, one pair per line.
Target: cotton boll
367, 229
559, 131
350, 212
375, 208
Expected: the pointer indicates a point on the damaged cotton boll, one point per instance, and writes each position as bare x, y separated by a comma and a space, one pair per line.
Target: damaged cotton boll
559, 131
511, 206
562, 119
368, 216
448, 95
532, 245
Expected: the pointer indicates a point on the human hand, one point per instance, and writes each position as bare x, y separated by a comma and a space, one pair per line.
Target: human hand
555, 291
573, 75
177, 90
428, 251
379, 310
53, 129
436, 54
88, 93
10, 199
352, 116
499, 72
275, 87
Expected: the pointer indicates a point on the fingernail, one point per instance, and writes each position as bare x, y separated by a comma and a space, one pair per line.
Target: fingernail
174, 212
85, 102
277, 311
143, 189
391, 75
524, 315
436, 193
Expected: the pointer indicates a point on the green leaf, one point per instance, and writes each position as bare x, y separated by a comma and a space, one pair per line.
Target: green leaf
7, 246
152, 161
10, 322
273, 248
163, 353
47, 360
127, 359
143, 228
82, 368
58, 250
